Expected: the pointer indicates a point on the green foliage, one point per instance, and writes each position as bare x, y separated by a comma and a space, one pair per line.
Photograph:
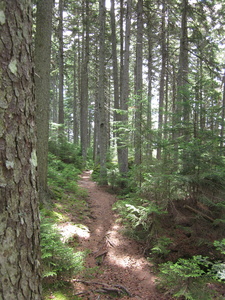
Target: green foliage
95, 172
220, 245
61, 174
56, 292
161, 246
218, 268
138, 215
196, 170
58, 259
187, 277
66, 152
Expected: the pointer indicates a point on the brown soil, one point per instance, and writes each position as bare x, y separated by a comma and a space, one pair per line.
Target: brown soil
123, 271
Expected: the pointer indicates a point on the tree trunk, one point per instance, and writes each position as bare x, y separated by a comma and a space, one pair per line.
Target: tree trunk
125, 60
61, 69
84, 84
138, 87
42, 88
222, 117
75, 100
123, 165
101, 96
182, 81
150, 75
162, 80
20, 277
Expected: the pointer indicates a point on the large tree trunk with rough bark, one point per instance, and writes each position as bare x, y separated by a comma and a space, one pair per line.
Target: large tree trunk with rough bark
20, 277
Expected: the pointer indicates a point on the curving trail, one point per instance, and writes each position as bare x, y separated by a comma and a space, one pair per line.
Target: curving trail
122, 267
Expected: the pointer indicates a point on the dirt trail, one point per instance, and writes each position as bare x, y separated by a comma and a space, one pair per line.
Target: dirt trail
122, 266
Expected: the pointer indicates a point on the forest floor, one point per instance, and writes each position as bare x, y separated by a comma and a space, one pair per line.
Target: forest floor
116, 266
123, 272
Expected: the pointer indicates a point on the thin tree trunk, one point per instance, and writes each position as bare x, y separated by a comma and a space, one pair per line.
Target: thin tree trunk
222, 117
42, 88
101, 95
150, 73
138, 87
75, 99
84, 83
61, 69
162, 80
182, 82
122, 147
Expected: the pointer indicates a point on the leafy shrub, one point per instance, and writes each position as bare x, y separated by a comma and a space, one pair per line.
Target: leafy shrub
58, 259
61, 174
218, 268
161, 246
66, 152
188, 278
220, 245
138, 215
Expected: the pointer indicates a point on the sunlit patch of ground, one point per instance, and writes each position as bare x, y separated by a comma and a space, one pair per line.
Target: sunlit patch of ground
68, 230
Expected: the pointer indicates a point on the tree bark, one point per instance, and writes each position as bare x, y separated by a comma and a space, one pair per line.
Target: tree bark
75, 97
138, 87
84, 84
182, 81
61, 69
124, 93
162, 80
101, 96
42, 88
20, 277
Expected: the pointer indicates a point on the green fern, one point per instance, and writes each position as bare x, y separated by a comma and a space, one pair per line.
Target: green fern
187, 278
58, 259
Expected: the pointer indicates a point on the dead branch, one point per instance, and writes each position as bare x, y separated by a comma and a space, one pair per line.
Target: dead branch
110, 243
109, 290
82, 293
199, 213
101, 254
117, 288
123, 288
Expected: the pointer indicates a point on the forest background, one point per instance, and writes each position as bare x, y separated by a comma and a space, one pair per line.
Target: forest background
135, 90
138, 88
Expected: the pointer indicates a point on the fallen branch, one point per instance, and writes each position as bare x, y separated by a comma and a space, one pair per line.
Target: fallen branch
109, 290
106, 287
123, 288
81, 293
101, 254
199, 213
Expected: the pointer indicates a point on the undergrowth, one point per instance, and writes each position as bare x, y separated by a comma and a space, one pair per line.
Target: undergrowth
139, 216
191, 278
60, 258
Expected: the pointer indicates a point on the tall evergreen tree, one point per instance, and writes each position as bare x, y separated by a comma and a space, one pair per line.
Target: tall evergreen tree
139, 86
61, 68
20, 276
42, 88
101, 96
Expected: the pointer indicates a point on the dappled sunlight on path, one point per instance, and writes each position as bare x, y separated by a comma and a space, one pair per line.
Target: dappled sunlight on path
119, 259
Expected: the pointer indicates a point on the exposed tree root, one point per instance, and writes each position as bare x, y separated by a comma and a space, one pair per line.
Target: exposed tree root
105, 288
